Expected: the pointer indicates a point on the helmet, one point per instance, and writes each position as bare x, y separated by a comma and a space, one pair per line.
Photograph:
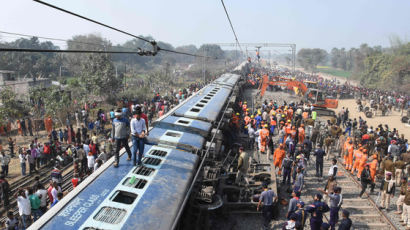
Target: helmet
252, 116
237, 114
266, 126
289, 121
247, 109
283, 115
244, 102
274, 113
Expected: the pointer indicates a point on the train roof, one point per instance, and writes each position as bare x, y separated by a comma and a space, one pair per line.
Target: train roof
227, 79
129, 197
197, 107
184, 124
180, 140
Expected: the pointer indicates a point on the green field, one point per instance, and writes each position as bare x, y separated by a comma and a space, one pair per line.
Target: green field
334, 72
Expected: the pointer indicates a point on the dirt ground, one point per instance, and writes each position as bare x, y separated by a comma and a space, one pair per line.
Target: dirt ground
393, 120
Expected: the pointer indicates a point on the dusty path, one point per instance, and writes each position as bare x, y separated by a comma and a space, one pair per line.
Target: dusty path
393, 120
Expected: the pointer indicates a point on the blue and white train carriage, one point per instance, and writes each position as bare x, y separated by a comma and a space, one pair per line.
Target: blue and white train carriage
148, 196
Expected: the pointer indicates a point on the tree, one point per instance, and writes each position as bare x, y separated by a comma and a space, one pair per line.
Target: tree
98, 76
51, 101
310, 58
11, 107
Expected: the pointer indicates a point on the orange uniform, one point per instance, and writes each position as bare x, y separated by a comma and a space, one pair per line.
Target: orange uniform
301, 135
362, 164
264, 139
19, 127
373, 169
349, 156
247, 119
357, 155
278, 156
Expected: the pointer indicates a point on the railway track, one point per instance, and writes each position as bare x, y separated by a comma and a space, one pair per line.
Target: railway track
29, 180
364, 212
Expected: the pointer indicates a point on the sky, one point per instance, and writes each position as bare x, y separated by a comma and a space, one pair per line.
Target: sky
306, 23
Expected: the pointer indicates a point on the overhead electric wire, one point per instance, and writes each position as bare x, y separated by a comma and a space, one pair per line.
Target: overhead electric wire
179, 52
65, 51
91, 20
153, 43
58, 39
230, 22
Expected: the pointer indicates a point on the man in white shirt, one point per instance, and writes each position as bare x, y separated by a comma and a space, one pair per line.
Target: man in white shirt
138, 131
24, 207
333, 168
42, 194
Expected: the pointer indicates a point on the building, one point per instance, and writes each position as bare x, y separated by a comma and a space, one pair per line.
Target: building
21, 86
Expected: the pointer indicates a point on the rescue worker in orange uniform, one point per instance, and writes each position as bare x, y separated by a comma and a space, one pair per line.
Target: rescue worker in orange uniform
344, 152
293, 132
362, 162
278, 156
289, 113
301, 133
373, 168
247, 119
264, 138
350, 150
357, 154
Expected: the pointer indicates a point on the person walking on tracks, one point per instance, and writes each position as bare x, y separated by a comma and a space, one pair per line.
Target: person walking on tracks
346, 222
120, 134
366, 179
336, 201
319, 153
317, 209
266, 200
387, 188
287, 164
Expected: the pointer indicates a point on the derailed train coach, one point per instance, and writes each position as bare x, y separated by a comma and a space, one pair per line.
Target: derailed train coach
153, 195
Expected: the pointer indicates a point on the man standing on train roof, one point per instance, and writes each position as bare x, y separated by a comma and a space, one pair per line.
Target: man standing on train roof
119, 134
138, 131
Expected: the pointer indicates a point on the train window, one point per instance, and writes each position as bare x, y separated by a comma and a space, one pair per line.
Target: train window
208, 98
157, 152
217, 88
172, 134
124, 197
92, 228
151, 161
199, 105
109, 215
195, 110
203, 101
135, 182
144, 171
210, 95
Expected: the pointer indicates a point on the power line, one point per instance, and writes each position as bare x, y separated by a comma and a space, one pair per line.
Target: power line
230, 22
179, 52
156, 48
66, 51
91, 20
56, 39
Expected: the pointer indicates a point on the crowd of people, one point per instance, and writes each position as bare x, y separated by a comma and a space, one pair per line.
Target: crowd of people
294, 134
87, 147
